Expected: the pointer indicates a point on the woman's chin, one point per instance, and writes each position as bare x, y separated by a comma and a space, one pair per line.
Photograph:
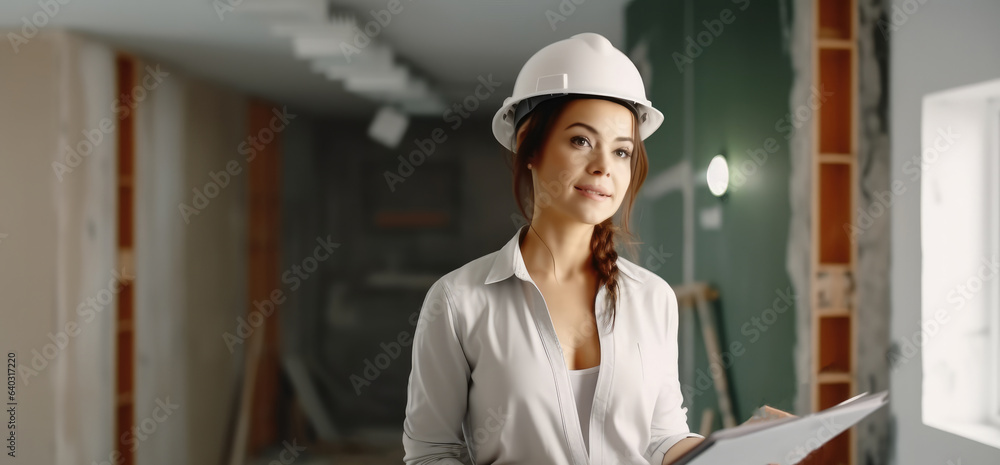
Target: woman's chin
592, 217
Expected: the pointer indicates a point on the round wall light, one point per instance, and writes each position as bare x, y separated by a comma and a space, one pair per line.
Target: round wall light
718, 175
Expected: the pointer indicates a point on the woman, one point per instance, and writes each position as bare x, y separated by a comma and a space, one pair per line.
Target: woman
553, 349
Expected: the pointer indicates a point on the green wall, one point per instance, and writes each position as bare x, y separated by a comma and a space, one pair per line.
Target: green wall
739, 98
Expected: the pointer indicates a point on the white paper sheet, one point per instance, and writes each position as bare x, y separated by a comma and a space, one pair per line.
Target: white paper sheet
785, 441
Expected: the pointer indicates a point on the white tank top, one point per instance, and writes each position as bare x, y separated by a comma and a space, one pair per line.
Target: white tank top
584, 384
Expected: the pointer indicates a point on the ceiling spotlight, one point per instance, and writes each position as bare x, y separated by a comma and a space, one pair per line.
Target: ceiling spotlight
388, 126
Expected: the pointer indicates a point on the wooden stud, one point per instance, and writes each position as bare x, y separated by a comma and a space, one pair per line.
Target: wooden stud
124, 385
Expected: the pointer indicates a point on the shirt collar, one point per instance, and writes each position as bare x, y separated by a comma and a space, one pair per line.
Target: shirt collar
508, 261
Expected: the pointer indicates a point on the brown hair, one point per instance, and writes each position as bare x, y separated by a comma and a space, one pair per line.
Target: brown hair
536, 132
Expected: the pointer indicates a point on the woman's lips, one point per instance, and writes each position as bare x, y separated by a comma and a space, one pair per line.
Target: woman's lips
592, 194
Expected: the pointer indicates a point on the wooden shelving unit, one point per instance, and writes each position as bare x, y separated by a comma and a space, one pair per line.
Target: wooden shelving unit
834, 259
125, 304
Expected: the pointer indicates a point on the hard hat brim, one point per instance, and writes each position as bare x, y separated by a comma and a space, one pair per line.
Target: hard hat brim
649, 118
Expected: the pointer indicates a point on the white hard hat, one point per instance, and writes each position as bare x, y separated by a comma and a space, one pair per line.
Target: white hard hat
587, 64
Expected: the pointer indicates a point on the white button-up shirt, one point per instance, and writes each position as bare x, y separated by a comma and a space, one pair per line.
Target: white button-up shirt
489, 378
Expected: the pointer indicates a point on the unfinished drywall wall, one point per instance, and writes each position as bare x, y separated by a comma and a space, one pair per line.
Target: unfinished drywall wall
800, 188
190, 267
933, 46
872, 242
56, 241
58, 223
87, 246
161, 284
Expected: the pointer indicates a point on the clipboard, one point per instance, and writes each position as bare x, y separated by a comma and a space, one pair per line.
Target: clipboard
784, 441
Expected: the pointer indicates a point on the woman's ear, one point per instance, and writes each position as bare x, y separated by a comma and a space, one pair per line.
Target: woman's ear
521, 132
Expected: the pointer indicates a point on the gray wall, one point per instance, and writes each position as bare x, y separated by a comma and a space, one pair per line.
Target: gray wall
943, 44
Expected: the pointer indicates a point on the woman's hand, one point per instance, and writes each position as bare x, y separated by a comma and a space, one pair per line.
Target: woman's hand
766, 413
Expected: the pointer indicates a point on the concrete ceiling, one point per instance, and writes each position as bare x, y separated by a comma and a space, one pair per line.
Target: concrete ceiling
449, 42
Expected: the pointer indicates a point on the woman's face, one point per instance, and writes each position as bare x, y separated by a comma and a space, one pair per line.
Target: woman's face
583, 171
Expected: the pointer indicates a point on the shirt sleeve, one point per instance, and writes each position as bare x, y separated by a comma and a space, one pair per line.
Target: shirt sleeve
437, 394
669, 416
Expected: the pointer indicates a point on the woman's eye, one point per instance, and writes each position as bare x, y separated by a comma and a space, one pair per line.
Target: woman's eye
581, 141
